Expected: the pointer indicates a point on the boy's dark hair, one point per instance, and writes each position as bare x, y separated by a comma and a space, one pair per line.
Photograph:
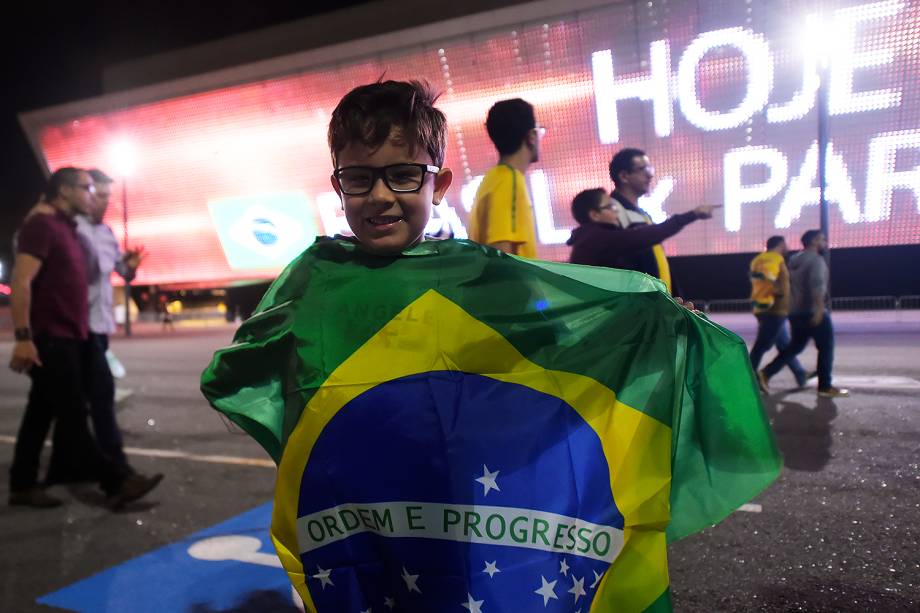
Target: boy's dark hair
368, 113
774, 241
100, 177
623, 161
59, 178
809, 236
585, 202
508, 123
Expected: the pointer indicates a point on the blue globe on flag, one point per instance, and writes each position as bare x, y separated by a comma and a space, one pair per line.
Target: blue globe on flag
264, 231
422, 494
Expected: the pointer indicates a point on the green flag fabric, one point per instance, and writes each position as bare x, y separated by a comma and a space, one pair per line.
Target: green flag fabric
460, 429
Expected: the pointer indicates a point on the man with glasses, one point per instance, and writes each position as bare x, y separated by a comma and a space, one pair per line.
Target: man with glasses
502, 214
632, 174
601, 240
49, 309
103, 256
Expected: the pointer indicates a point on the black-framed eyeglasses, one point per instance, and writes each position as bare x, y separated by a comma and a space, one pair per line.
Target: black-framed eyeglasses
399, 178
90, 187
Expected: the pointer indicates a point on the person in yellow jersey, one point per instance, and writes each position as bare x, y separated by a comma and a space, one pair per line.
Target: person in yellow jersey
770, 298
502, 214
632, 174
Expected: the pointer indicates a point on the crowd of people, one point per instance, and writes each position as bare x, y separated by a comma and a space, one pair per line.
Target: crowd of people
61, 298
614, 231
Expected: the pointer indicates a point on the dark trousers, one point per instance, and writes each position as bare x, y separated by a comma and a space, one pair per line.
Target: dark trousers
57, 396
771, 331
802, 332
66, 465
100, 390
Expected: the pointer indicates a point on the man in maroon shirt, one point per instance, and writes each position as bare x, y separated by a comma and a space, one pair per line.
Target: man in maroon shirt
600, 240
50, 314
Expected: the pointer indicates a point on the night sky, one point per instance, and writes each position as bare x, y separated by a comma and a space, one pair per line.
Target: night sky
55, 52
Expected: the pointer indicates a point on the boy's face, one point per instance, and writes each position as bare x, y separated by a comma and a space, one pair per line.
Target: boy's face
385, 221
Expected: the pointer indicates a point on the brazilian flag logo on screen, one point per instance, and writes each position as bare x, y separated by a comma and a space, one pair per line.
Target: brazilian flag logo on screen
457, 429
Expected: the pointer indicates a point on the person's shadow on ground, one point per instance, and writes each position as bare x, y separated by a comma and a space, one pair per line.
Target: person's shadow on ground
263, 601
803, 434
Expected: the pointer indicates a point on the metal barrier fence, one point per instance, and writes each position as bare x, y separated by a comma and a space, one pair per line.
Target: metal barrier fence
859, 303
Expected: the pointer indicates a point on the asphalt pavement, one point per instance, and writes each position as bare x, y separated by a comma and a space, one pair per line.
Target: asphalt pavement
838, 531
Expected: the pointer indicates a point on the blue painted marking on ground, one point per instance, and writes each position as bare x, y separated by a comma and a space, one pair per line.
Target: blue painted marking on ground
169, 579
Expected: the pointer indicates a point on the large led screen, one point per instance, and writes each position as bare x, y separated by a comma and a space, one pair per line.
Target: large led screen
232, 183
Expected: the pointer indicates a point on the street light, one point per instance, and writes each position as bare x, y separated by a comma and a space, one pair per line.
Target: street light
122, 161
821, 40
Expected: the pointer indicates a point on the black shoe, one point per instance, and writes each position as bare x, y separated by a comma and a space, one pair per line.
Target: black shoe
35, 497
132, 488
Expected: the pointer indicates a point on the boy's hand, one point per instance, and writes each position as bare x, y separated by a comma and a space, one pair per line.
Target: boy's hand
687, 304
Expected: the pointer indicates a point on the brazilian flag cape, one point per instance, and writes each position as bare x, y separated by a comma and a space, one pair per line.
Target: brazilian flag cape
457, 429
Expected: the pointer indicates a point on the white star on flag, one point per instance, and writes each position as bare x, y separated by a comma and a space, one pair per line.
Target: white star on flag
472, 605
564, 568
389, 602
578, 588
546, 590
410, 581
323, 576
491, 568
488, 481
597, 579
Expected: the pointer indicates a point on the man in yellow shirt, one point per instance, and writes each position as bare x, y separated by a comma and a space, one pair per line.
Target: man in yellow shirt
770, 297
502, 214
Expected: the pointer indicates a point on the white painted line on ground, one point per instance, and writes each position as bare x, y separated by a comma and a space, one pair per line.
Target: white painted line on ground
214, 459
751, 508
873, 382
180, 455
123, 393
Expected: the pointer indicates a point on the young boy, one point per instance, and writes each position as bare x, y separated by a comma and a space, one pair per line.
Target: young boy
440, 448
406, 152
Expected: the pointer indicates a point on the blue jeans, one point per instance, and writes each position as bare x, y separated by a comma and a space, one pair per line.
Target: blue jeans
771, 331
802, 332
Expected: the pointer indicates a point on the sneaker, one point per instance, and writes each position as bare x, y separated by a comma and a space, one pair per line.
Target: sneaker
132, 488
834, 392
763, 382
36, 497
812, 374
